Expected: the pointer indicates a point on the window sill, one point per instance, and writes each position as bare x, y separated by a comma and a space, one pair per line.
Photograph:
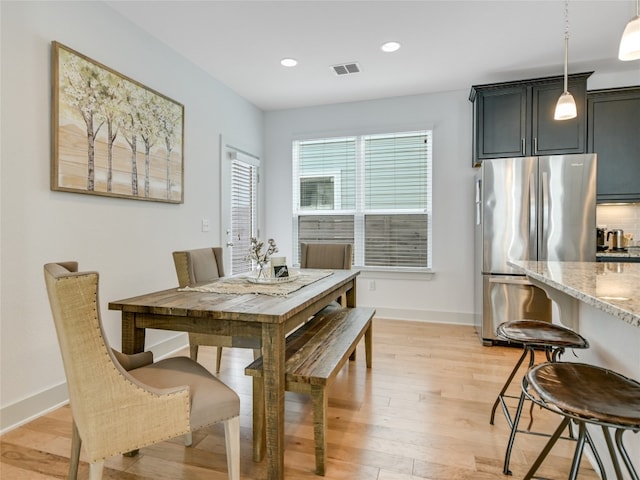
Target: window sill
418, 274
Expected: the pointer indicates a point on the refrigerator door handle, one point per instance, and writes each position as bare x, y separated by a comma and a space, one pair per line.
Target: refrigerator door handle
510, 280
533, 245
544, 214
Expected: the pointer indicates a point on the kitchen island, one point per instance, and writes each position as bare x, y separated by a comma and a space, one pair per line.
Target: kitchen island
601, 301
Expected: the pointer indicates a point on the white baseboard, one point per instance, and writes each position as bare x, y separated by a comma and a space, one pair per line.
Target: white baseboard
21, 412
427, 316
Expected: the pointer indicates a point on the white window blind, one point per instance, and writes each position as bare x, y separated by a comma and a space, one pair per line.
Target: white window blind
243, 212
373, 191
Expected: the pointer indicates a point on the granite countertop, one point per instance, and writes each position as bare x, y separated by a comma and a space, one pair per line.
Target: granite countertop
611, 287
630, 252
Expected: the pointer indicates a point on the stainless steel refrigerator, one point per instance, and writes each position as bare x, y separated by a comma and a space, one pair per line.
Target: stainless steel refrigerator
528, 208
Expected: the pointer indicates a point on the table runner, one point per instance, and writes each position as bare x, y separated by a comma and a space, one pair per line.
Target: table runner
239, 285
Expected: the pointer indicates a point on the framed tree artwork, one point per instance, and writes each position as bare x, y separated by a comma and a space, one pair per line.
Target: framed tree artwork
111, 135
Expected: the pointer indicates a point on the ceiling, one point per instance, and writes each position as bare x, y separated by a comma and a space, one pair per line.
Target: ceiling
446, 45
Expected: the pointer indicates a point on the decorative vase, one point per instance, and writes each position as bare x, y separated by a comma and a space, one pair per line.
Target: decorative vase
262, 270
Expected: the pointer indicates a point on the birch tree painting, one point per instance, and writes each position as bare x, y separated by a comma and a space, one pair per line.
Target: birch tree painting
111, 135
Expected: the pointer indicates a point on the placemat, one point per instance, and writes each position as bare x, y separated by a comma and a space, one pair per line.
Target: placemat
239, 285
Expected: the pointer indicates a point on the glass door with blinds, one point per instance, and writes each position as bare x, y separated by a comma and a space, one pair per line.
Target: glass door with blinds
239, 204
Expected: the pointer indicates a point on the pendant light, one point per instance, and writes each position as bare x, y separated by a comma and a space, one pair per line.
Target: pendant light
566, 106
630, 42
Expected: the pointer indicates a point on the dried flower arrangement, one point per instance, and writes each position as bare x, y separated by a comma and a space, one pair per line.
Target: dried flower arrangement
260, 257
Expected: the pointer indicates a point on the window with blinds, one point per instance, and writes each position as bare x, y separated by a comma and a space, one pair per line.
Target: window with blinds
243, 213
373, 191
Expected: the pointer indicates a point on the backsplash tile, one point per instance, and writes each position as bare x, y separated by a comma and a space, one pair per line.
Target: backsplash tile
626, 217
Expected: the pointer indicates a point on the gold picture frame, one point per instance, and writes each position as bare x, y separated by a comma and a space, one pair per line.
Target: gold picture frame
111, 135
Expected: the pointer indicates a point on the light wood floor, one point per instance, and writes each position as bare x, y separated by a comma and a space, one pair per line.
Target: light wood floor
422, 412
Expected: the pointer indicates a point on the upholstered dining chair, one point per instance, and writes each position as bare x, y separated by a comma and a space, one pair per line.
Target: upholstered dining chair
121, 403
197, 266
335, 256
194, 266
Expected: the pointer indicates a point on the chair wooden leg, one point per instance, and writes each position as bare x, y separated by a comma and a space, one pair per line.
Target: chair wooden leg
218, 359
95, 470
232, 441
319, 400
74, 458
193, 352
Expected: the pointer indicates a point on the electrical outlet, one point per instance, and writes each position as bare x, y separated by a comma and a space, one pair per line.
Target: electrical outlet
372, 285
205, 224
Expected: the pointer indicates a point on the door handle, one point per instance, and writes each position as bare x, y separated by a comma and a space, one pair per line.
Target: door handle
510, 281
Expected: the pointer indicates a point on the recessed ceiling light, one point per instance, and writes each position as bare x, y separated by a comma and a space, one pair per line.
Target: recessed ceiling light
288, 62
390, 47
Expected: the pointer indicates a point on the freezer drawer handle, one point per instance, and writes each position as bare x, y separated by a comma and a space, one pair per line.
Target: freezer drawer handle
513, 281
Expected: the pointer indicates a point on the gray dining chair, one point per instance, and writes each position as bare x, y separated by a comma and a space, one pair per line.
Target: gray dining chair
198, 266
334, 256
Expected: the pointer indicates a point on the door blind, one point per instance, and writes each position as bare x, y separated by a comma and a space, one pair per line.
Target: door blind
243, 213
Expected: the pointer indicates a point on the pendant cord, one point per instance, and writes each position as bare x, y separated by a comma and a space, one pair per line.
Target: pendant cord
566, 45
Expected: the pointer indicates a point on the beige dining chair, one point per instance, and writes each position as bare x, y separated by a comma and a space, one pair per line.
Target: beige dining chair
198, 266
121, 403
335, 256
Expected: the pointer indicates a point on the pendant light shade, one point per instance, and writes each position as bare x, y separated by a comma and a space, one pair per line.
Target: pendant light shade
566, 106
630, 42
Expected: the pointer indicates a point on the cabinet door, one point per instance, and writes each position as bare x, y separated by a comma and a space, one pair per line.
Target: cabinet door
553, 137
501, 123
614, 135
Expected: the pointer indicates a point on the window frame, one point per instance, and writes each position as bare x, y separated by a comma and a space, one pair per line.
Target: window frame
360, 212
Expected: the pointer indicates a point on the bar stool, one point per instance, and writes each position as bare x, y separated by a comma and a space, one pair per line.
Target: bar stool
586, 394
533, 335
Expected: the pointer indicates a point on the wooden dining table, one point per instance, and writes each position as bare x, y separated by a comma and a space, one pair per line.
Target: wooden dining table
250, 321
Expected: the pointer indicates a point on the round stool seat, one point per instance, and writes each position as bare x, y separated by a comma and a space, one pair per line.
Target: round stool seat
532, 335
541, 334
591, 393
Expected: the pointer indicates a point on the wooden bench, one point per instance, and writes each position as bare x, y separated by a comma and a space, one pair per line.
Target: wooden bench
314, 355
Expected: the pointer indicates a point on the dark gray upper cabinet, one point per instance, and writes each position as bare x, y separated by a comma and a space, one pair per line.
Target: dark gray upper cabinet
613, 133
515, 119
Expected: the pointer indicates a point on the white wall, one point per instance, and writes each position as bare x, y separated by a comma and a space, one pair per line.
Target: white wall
447, 296
129, 242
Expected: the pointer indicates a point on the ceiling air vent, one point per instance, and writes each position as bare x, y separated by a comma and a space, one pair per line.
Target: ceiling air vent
345, 68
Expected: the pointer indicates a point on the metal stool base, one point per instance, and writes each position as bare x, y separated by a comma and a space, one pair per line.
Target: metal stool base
548, 381
533, 335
